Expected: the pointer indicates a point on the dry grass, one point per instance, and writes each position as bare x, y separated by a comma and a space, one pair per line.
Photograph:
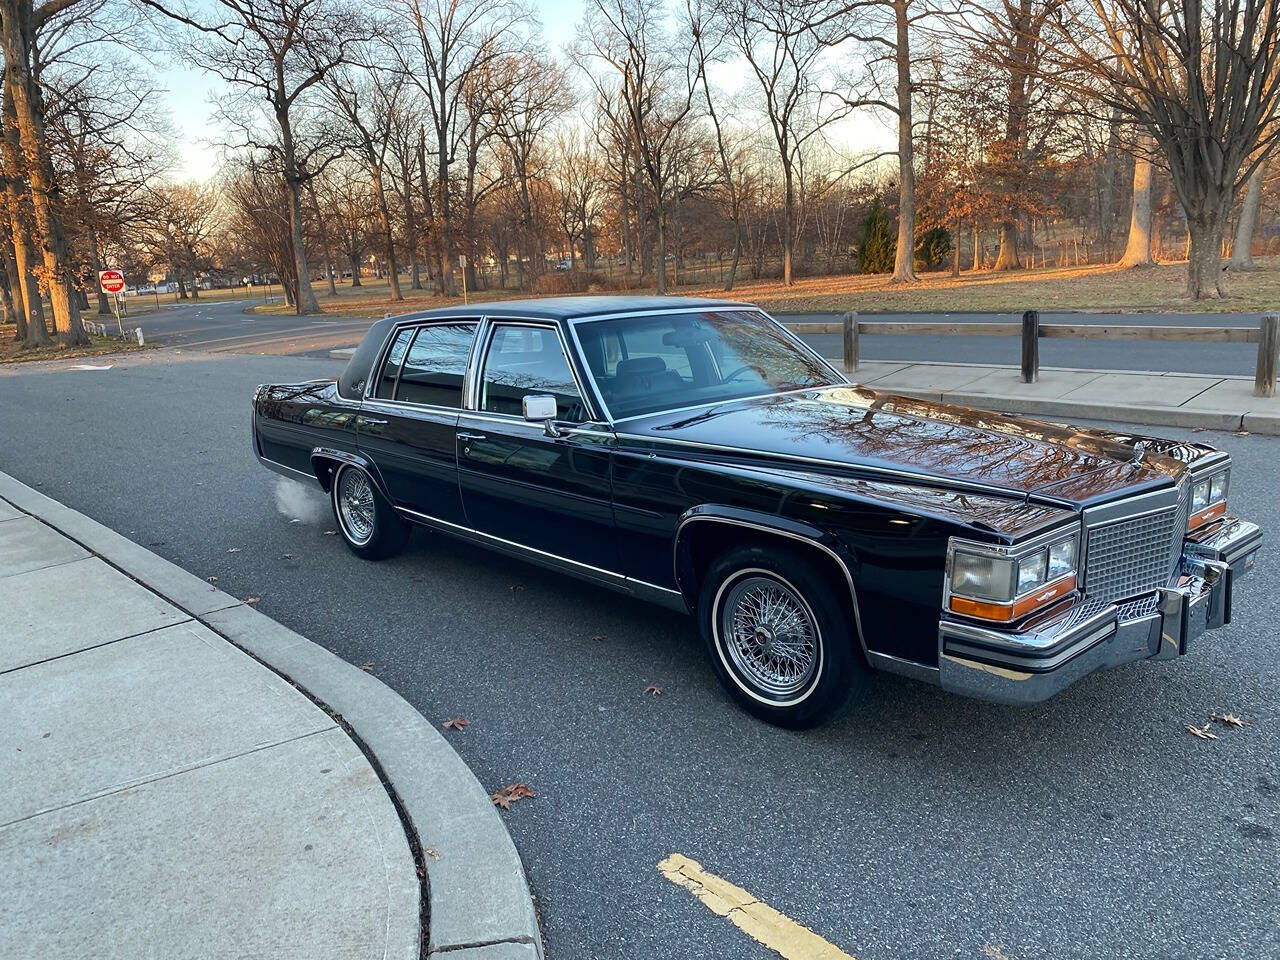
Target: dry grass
1107, 289
11, 350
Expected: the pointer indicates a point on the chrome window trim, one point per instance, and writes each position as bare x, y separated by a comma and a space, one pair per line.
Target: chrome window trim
844, 567
573, 322
480, 356
375, 370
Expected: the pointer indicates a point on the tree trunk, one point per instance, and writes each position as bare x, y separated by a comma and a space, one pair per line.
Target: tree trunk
355, 272
388, 235
788, 222
955, 253
194, 283
46, 196
660, 249
1241, 250
305, 299
1205, 279
1007, 258
977, 247
27, 290
324, 241
904, 259
1137, 253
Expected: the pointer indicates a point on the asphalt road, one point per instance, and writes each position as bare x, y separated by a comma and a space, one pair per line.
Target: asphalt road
225, 327
923, 825
1161, 355
222, 326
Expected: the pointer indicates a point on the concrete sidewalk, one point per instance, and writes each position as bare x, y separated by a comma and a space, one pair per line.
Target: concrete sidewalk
168, 795
1163, 399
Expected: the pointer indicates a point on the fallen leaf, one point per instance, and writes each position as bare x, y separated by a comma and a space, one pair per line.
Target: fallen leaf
653, 690
234, 550
516, 587
367, 667
252, 600
296, 520
1242, 433
1201, 732
1228, 720
599, 637
331, 533
431, 852
993, 952
455, 723
212, 579
505, 796
286, 556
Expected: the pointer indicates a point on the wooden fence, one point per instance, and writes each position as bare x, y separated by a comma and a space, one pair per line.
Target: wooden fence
1032, 331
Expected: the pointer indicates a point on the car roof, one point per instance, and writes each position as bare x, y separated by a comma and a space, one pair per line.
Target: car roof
573, 308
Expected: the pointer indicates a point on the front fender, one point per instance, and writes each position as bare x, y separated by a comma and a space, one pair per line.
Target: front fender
767, 523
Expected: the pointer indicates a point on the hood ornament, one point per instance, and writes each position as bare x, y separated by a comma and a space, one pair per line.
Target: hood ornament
1139, 451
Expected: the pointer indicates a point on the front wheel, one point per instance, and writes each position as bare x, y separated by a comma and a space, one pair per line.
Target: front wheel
369, 525
778, 636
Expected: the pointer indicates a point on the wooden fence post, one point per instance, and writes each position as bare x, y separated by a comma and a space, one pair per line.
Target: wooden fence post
850, 322
1030, 346
1264, 382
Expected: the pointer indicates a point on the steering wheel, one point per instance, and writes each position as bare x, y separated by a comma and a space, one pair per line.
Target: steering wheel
745, 368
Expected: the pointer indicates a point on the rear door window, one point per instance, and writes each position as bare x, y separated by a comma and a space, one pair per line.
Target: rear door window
386, 387
436, 366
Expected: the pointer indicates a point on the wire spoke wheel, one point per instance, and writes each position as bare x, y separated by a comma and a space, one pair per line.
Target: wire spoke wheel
770, 635
356, 506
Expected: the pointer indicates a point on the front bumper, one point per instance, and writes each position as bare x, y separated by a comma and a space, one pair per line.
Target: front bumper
1051, 653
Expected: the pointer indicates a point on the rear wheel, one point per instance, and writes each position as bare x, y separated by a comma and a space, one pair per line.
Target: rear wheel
368, 523
778, 636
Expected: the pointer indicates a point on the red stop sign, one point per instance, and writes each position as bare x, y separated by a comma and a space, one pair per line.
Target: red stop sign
111, 281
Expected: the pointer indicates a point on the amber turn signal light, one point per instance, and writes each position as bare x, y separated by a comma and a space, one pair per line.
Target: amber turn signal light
1008, 612
1208, 514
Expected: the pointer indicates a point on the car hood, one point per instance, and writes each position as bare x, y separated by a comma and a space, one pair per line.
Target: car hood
856, 429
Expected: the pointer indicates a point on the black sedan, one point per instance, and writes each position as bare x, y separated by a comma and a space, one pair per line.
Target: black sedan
696, 454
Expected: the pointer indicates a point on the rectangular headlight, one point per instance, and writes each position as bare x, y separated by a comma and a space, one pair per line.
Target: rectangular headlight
983, 577
1006, 583
1209, 498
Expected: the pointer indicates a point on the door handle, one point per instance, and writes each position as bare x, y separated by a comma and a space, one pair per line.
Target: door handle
372, 420
472, 436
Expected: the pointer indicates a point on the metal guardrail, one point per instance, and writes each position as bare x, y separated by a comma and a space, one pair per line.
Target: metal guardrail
1032, 331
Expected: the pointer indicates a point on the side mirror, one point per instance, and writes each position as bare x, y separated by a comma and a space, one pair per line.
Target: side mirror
541, 409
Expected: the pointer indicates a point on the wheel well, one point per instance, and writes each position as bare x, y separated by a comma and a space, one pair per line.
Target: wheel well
324, 468
709, 539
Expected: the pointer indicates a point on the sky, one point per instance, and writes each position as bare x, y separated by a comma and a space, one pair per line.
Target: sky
189, 95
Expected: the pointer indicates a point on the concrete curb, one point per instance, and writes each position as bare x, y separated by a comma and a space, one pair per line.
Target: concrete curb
479, 900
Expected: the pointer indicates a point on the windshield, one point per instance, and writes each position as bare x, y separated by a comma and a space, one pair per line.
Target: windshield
645, 364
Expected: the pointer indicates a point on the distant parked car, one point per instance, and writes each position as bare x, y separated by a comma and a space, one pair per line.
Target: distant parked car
696, 454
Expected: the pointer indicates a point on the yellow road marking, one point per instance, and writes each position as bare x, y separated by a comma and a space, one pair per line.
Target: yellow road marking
753, 917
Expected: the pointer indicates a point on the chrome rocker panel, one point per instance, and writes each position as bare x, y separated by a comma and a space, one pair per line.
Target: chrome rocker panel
1050, 654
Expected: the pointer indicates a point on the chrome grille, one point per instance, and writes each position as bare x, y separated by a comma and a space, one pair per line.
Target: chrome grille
1180, 526
1130, 557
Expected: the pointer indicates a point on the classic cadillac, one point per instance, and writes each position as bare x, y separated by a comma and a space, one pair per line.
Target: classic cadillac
696, 454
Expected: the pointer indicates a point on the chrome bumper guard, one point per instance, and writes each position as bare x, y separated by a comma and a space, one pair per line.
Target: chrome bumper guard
1050, 653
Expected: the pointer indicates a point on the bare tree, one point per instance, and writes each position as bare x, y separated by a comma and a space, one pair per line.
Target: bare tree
20, 26
653, 75
28, 304
530, 92
453, 39
366, 98
276, 56
784, 44
1204, 80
